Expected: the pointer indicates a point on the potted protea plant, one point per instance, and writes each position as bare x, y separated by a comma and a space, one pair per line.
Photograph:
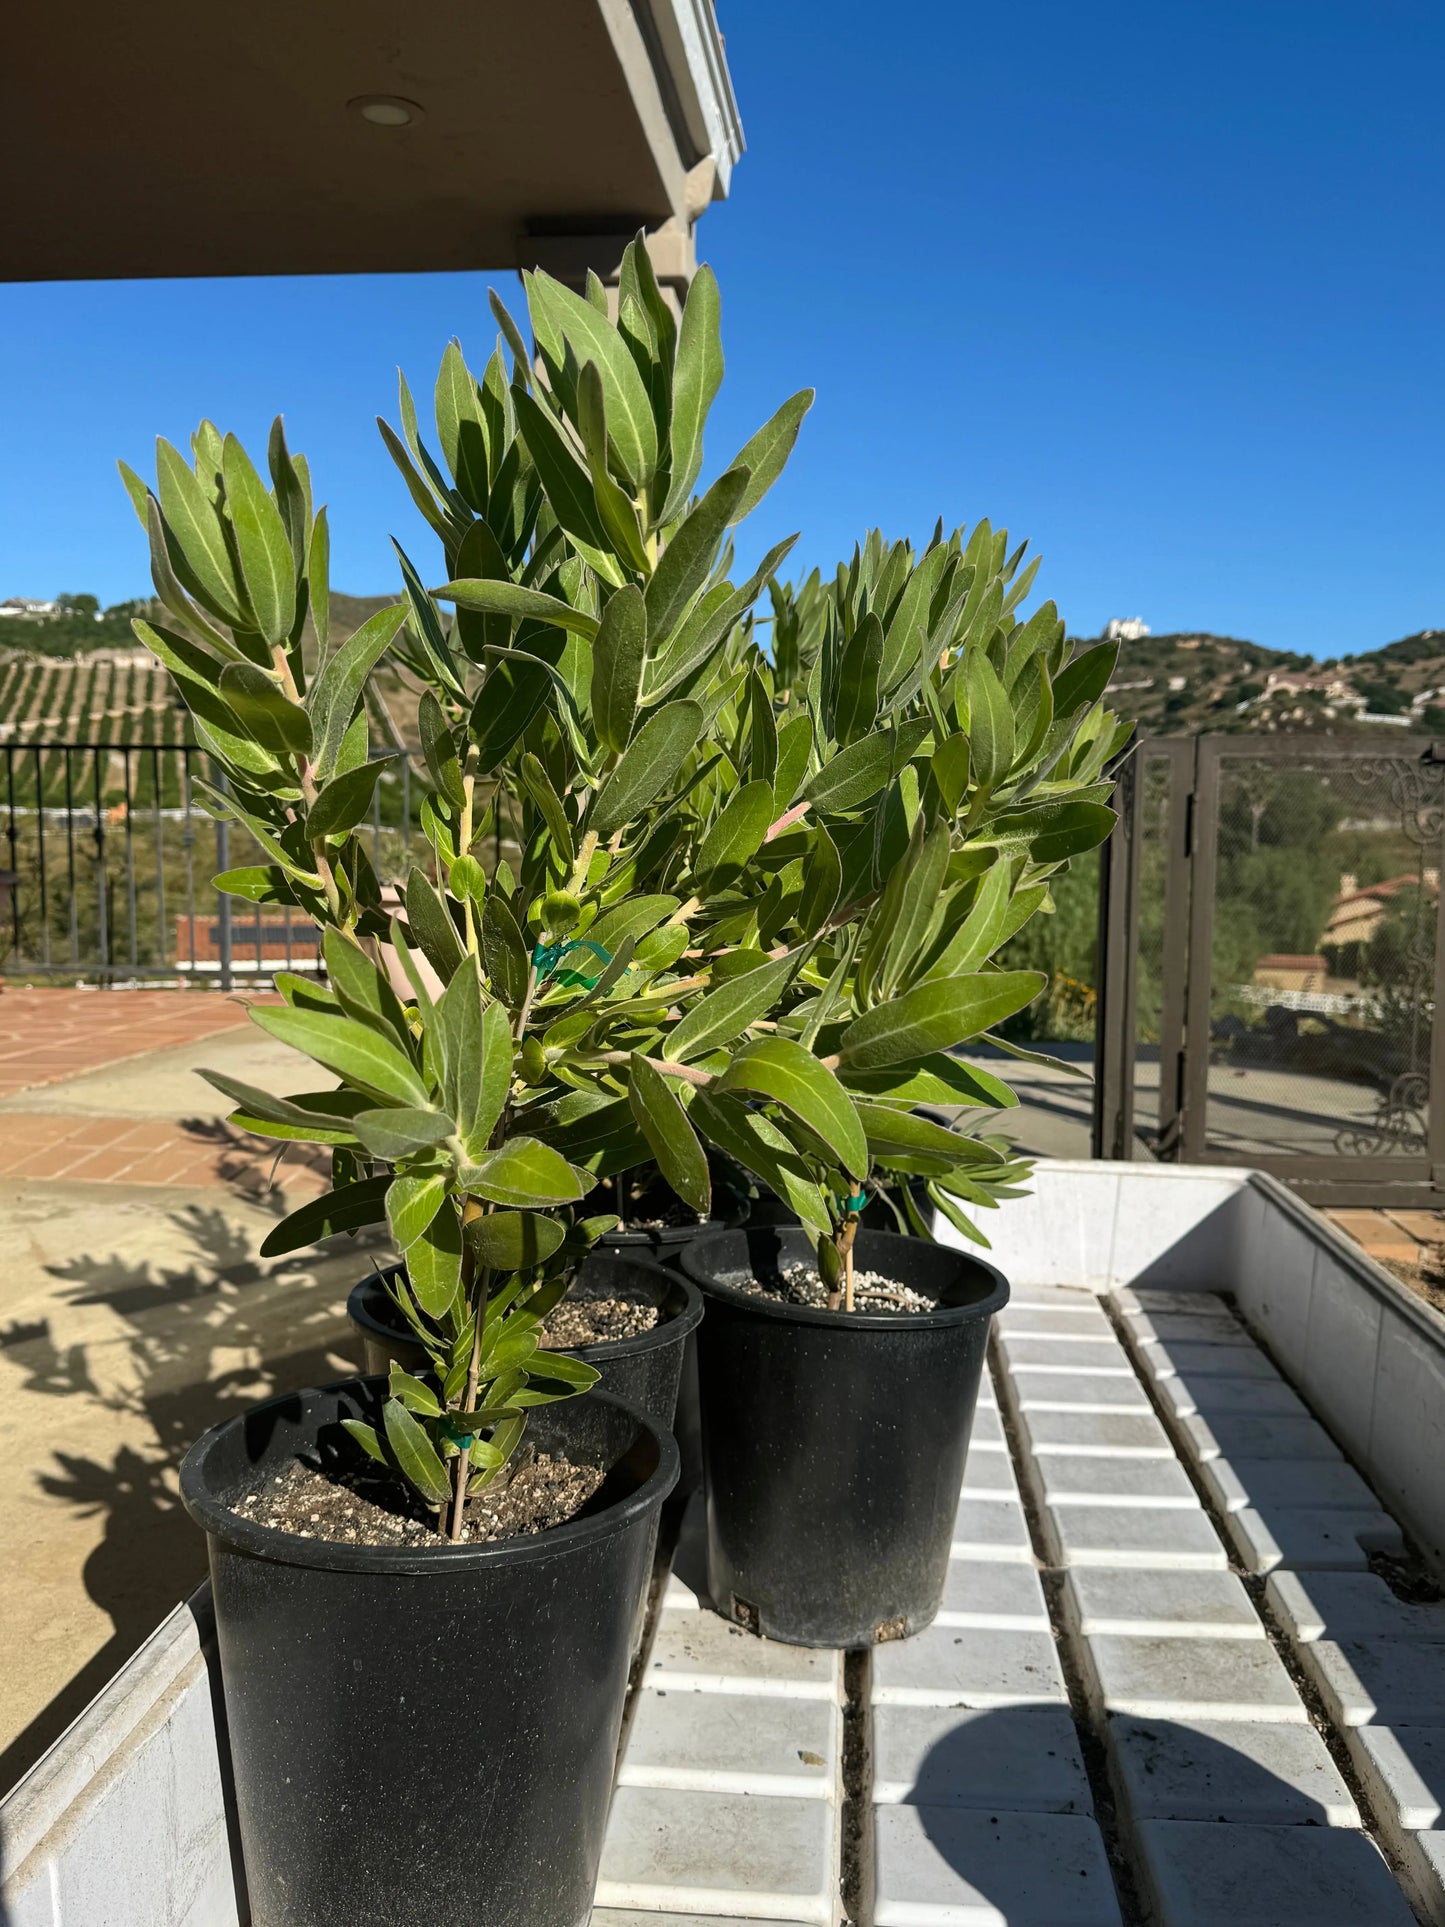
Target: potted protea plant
426, 1583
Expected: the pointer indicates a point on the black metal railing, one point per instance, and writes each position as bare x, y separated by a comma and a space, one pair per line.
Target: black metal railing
110, 857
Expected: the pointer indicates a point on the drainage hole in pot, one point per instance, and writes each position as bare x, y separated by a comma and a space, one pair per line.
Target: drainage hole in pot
747, 1615
592, 1314
355, 1506
801, 1285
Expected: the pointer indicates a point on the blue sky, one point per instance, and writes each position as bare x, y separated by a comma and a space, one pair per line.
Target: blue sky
1161, 287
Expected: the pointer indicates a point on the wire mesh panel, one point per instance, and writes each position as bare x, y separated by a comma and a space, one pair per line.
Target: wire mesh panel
1322, 955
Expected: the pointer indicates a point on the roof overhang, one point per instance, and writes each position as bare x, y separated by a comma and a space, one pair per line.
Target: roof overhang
186, 140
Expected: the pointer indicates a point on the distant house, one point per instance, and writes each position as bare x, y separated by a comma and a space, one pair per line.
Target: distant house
1358, 911
1126, 629
19, 605
1284, 971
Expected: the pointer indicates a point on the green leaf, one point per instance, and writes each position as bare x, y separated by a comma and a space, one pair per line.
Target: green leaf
434, 1262
415, 1455
504, 953
978, 936
267, 562
1056, 830
592, 337
347, 1209
618, 652
766, 455
950, 771
726, 1012
568, 486
891, 1130
734, 837
411, 1204
322, 1117
361, 1055
935, 1017
431, 926
513, 1240
345, 800
527, 1173
663, 1122
650, 762
614, 505
197, 549
864, 767
856, 708
795, 747
696, 376
512, 600
822, 882
461, 428
539, 787
515, 690
363, 991
366, 1438
1085, 679
271, 718
397, 1133
756, 1143
414, 1395
781, 1069
318, 580
938, 1079
919, 904
333, 696
688, 558
990, 723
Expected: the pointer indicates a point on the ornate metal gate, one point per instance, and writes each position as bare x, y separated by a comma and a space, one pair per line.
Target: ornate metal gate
1271, 962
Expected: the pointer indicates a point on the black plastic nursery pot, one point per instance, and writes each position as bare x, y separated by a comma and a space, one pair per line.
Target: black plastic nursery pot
653, 1237
643, 1371
833, 1442
425, 1733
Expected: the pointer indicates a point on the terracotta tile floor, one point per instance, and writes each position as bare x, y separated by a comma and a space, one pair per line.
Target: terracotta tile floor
47, 1035
1396, 1236
50, 1036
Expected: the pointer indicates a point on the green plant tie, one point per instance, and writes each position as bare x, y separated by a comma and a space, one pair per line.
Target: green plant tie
464, 1441
857, 1202
547, 956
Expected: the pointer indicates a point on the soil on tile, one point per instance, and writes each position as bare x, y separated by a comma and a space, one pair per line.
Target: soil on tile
801, 1285
359, 1506
592, 1314
1423, 1276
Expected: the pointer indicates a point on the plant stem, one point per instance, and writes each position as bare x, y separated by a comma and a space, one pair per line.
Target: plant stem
462, 1464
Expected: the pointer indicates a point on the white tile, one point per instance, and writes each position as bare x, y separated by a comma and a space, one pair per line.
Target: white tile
1349, 1605
1225, 1434
1207, 1875
991, 1529
720, 1853
967, 1666
1215, 1679
1048, 1354
1405, 1447
990, 1475
1209, 1394
1266, 1771
1021, 1759
1390, 1682
1078, 1392
1064, 1320
1326, 1484
733, 1743
1305, 1538
1122, 1536
1115, 1481
1198, 1328
1404, 1769
1203, 1304
1201, 1605
993, 1592
630, 1917
959, 1867
701, 1653
1095, 1434
1179, 1359
1337, 1371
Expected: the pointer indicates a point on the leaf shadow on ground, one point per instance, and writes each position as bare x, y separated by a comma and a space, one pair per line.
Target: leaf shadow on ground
192, 1343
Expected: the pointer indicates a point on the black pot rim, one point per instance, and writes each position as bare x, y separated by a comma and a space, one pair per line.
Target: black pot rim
670, 1327
290, 1549
859, 1321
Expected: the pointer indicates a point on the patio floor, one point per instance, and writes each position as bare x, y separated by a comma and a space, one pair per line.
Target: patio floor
133, 1312
1168, 1683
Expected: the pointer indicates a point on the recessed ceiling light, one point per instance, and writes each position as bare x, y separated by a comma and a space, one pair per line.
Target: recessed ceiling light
385, 110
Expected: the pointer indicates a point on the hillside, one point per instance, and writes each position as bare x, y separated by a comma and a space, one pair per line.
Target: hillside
1180, 684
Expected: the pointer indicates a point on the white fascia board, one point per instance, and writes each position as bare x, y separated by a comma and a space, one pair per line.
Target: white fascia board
697, 62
